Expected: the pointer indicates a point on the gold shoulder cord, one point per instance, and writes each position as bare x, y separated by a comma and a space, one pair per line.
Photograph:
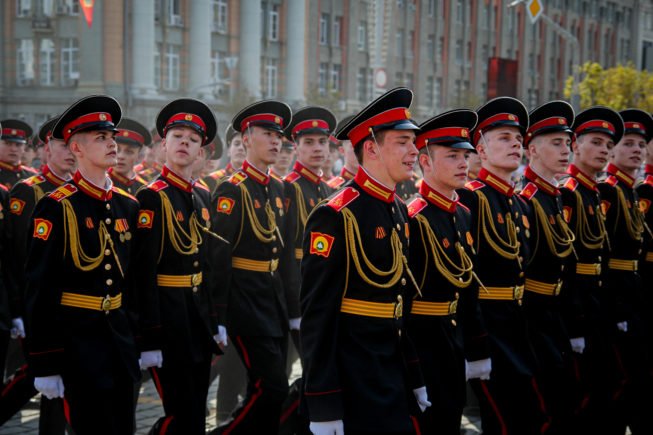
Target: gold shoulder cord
584, 232
265, 235
507, 249
302, 214
634, 220
82, 260
354, 246
560, 245
38, 193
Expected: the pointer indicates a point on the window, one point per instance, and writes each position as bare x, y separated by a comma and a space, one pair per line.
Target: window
511, 20
362, 35
409, 43
431, 8
399, 39
273, 24
69, 61
157, 66
172, 65
409, 81
23, 8
271, 78
220, 16
437, 92
399, 78
459, 11
324, 29
400, 4
157, 10
68, 7
428, 94
24, 62
47, 7
174, 13
322, 78
440, 49
361, 85
485, 54
430, 47
46, 62
335, 37
217, 62
459, 52
336, 71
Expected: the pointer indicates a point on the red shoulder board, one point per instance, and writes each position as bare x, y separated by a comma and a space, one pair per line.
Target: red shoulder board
343, 198
571, 184
201, 184
336, 182
415, 206
474, 185
237, 178
529, 191
62, 192
649, 180
292, 177
123, 193
28, 169
36, 179
612, 180
3, 187
158, 185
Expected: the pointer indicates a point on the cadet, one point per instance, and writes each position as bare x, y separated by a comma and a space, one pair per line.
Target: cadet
444, 321
355, 278
131, 137
625, 227
509, 400
547, 144
350, 166
15, 135
78, 269
282, 166
150, 167
179, 327
256, 270
236, 152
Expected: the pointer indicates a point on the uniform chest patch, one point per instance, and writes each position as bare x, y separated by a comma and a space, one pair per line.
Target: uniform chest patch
16, 206
321, 244
225, 205
145, 219
42, 229
380, 233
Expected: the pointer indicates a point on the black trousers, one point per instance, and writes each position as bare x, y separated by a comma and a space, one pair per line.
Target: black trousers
183, 388
232, 383
267, 386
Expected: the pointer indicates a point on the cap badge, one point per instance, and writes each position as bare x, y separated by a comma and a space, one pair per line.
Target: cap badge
464, 133
102, 117
314, 123
407, 113
188, 117
512, 117
277, 120
604, 125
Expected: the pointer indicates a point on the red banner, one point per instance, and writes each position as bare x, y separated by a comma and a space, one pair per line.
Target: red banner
87, 8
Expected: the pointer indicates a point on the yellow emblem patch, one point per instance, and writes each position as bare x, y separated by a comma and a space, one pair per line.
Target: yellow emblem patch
225, 205
145, 219
321, 244
42, 229
16, 206
644, 205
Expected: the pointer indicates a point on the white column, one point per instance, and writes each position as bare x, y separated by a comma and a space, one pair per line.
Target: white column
250, 47
143, 46
199, 67
296, 28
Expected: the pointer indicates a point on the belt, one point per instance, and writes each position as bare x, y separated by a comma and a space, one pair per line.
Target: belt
588, 268
502, 293
434, 308
382, 310
255, 265
179, 280
649, 256
628, 265
299, 253
543, 288
96, 303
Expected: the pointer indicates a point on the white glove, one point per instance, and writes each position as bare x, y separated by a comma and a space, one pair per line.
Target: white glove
622, 326
334, 427
294, 323
578, 344
18, 329
221, 336
422, 398
50, 386
480, 369
150, 358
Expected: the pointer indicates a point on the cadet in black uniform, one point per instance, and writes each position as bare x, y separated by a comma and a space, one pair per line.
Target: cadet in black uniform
256, 270
547, 144
444, 321
509, 399
359, 366
150, 167
6, 324
131, 137
15, 134
179, 328
234, 140
78, 270
350, 165
286, 156
625, 227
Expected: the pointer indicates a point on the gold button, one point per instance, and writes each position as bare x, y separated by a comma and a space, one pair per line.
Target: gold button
403, 281
274, 238
107, 252
108, 206
457, 295
398, 227
197, 250
195, 289
393, 209
521, 259
521, 274
600, 283
107, 267
196, 263
454, 219
274, 250
453, 322
510, 201
599, 259
518, 229
109, 281
519, 302
562, 267
107, 221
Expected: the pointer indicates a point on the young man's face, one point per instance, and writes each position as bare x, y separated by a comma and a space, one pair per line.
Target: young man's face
95, 148
592, 150
398, 154
11, 152
445, 167
649, 153
312, 150
128, 156
182, 146
262, 144
59, 156
474, 164
629, 153
332, 157
501, 148
551, 151
285, 159
237, 152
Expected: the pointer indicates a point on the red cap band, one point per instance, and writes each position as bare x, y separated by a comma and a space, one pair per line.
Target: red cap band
361, 131
493, 120
14, 132
129, 134
452, 132
555, 121
309, 124
265, 117
635, 126
595, 123
188, 117
90, 118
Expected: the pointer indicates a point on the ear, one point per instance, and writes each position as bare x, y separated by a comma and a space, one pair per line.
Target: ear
371, 149
424, 160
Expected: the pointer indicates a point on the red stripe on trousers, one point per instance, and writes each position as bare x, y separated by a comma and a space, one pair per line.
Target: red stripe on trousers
246, 409
495, 407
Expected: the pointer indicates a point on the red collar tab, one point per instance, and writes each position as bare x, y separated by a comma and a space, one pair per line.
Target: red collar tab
306, 173
51, 176
9, 167
346, 174
253, 172
540, 182
495, 182
582, 177
91, 189
84, 121
648, 169
499, 117
176, 180
432, 137
310, 124
129, 134
436, 198
554, 121
264, 117
620, 175
14, 133
121, 178
373, 187
364, 129
635, 128
184, 119
229, 169
595, 123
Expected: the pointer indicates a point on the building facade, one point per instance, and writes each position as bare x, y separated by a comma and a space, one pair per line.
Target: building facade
340, 53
